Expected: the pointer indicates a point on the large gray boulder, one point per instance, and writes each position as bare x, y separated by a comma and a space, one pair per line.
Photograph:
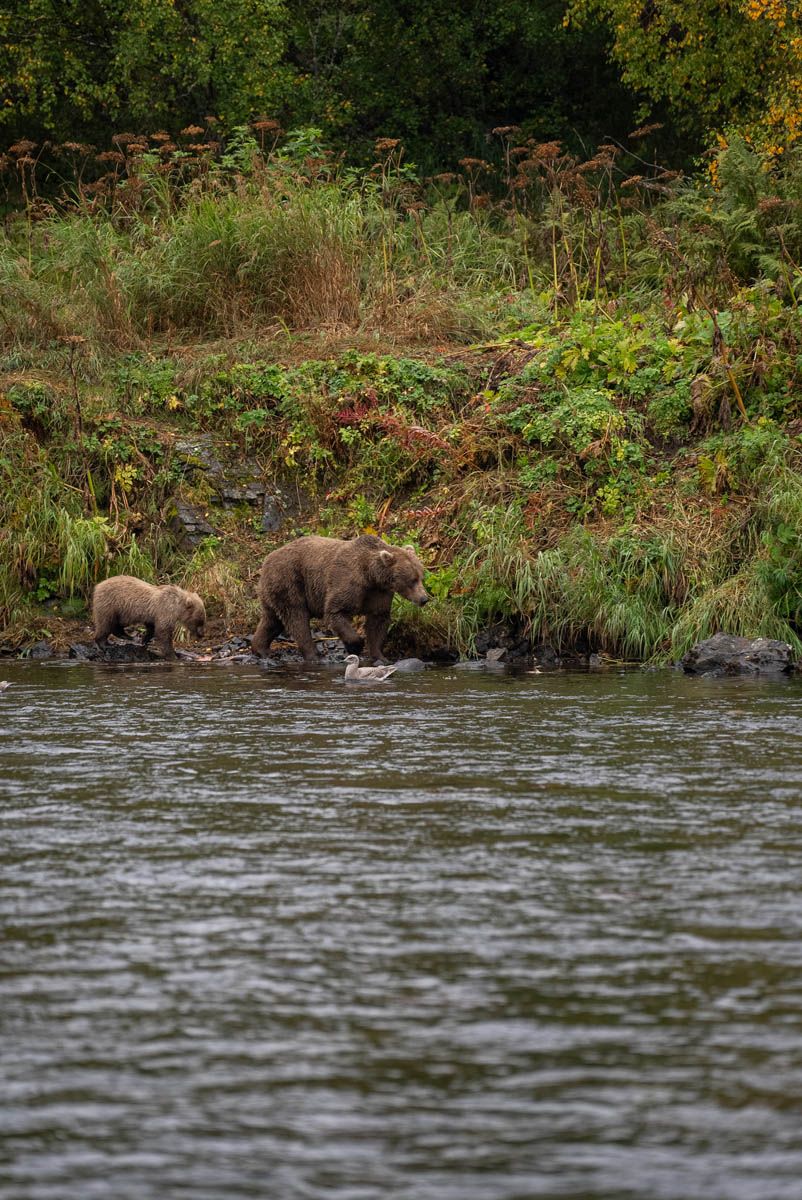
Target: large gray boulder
724, 654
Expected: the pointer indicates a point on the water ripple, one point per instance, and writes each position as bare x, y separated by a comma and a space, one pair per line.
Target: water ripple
461, 937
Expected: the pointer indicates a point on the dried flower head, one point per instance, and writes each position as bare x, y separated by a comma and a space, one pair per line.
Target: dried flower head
645, 130
770, 204
444, 177
192, 131
475, 164
547, 150
383, 145
110, 156
266, 125
160, 136
23, 146
504, 130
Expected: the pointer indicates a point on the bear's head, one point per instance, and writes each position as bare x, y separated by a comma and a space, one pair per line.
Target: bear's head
403, 571
194, 615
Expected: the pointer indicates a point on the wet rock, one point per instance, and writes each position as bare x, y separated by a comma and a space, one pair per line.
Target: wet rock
40, 650
546, 656
724, 654
234, 645
188, 523
197, 453
443, 654
114, 652
410, 665
233, 493
506, 637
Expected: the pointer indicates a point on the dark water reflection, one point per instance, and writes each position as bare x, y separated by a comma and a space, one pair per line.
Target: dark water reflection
460, 937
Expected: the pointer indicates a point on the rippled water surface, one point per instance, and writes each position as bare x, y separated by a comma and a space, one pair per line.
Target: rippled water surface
463, 936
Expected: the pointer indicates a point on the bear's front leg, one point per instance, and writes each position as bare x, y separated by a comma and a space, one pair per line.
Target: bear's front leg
345, 631
376, 626
164, 639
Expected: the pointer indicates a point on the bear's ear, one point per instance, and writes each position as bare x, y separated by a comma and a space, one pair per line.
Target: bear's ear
386, 557
409, 548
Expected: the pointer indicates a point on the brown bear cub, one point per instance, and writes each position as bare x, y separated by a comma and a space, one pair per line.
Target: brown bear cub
124, 600
336, 580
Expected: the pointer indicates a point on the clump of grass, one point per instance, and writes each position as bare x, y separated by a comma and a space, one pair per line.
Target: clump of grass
218, 577
740, 605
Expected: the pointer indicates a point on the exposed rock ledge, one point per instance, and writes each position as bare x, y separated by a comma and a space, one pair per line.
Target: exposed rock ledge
724, 654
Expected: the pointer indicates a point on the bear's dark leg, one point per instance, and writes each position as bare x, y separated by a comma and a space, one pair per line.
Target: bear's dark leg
269, 626
345, 632
164, 638
106, 629
376, 626
298, 628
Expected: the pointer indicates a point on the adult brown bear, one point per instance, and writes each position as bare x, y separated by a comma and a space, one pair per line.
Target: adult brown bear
124, 600
336, 580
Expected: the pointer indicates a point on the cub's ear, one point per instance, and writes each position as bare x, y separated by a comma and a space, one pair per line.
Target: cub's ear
386, 557
409, 547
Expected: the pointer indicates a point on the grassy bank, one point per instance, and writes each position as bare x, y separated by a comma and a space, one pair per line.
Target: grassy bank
575, 387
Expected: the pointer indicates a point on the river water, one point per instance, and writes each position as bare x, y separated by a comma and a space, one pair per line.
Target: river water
461, 936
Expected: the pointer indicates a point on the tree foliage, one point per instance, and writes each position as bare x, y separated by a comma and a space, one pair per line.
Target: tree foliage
73, 66
441, 76
438, 76
718, 65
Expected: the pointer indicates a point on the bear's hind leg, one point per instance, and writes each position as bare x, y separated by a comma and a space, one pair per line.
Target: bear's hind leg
269, 627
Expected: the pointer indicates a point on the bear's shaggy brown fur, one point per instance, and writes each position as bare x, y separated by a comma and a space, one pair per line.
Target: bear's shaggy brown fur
336, 580
124, 600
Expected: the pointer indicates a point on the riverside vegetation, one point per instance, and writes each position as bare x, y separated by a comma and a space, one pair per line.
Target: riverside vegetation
573, 385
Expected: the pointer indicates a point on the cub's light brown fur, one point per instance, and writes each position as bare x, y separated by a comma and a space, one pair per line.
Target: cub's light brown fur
336, 580
124, 600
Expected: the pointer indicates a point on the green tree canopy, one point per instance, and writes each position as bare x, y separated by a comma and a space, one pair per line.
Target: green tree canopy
716, 64
72, 66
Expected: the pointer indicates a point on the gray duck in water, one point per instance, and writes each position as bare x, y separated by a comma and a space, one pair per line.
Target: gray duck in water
356, 674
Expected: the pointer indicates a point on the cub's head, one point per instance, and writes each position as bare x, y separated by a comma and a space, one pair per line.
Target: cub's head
194, 614
403, 572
